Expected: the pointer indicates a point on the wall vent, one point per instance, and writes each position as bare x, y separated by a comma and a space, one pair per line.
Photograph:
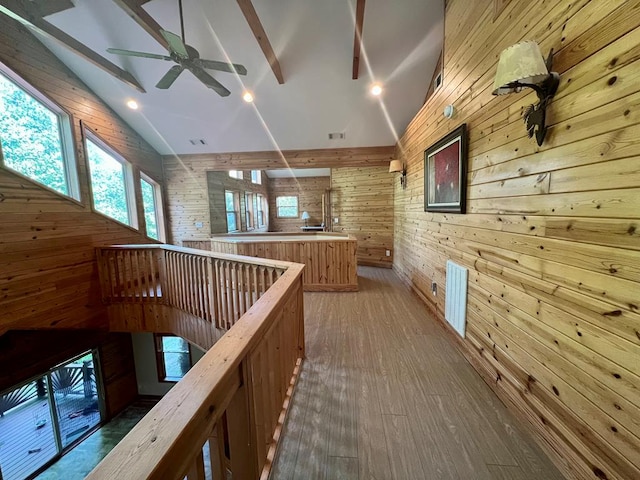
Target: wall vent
337, 136
455, 304
437, 83
197, 141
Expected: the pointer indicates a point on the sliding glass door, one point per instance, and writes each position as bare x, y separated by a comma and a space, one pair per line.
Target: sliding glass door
41, 418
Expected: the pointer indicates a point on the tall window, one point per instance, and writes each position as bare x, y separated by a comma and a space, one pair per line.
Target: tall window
236, 174
111, 184
35, 136
173, 357
260, 209
256, 177
232, 206
249, 199
287, 207
152, 205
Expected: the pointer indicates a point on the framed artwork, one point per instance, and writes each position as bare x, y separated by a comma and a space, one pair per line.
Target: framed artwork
445, 173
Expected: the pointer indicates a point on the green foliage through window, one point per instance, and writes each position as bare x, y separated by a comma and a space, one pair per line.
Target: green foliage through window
287, 207
108, 183
150, 208
31, 137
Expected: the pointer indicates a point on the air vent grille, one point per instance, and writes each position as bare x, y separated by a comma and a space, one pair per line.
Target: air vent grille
337, 136
197, 141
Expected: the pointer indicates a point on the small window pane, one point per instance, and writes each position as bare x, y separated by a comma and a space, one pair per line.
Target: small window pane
228, 200
232, 225
236, 174
150, 208
175, 354
287, 207
108, 183
31, 137
256, 176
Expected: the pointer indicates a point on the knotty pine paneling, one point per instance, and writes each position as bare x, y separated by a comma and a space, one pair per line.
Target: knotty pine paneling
552, 236
48, 276
217, 183
309, 191
362, 199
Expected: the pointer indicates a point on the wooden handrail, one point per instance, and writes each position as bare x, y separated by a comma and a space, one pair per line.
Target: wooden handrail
254, 360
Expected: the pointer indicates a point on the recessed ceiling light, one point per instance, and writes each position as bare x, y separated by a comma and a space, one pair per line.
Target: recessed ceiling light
247, 97
132, 104
376, 89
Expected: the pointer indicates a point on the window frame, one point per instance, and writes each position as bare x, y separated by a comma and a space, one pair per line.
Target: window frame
258, 178
161, 367
249, 210
297, 207
130, 189
236, 211
260, 204
67, 137
237, 174
159, 210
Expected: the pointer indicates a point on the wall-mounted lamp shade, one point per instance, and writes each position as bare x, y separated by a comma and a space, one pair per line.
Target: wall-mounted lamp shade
305, 216
521, 63
395, 166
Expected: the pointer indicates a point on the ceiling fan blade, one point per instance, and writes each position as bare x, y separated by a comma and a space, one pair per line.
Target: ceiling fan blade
209, 81
221, 66
176, 45
169, 77
132, 53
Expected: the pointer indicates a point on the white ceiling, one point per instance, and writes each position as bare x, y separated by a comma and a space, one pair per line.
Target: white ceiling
313, 41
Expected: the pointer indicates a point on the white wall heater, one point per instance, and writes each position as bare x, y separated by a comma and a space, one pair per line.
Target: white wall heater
455, 305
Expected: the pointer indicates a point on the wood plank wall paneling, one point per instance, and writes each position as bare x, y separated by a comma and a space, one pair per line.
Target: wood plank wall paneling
279, 159
217, 183
552, 238
362, 199
48, 277
119, 376
309, 191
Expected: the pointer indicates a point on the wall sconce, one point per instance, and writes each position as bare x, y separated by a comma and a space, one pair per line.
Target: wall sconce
398, 166
522, 65
305, 217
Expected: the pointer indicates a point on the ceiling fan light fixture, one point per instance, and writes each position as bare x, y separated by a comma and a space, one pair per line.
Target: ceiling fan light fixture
132, 104
247, 96
376, 89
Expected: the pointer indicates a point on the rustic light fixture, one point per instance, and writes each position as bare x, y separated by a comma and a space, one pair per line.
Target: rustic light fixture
398, 166
306, 217
522, 65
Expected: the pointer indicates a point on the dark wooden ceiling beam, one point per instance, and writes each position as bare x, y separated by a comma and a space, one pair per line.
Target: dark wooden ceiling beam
25, 13
258, 31
134, 9
357, 38
49, 7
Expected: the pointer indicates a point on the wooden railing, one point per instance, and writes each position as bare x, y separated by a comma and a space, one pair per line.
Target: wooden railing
228, 410
211, 288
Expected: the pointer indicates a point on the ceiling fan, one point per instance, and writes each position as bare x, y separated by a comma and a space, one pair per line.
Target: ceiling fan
187, 58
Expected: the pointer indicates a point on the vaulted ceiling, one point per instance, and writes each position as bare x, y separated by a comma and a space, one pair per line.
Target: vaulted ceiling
313, 41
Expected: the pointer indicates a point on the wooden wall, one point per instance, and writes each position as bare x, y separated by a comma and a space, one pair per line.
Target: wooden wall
362, 199
217, 183
186, 179
552, 234
48, 276
309, 191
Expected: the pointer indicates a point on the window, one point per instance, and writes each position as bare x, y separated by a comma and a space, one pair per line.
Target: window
260, 209
232, 207
173, 357
287, 207
237, 174
152, 205
111, 184
36, 136
256, 177
249, 203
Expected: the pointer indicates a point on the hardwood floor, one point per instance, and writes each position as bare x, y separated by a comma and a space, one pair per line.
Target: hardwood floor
384, 394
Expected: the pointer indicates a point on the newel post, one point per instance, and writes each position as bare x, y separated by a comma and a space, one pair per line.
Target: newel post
242, 432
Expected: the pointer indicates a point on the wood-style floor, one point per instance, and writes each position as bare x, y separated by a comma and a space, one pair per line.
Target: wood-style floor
384, 394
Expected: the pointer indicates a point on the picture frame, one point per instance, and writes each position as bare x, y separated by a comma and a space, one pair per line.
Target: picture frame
445, 173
